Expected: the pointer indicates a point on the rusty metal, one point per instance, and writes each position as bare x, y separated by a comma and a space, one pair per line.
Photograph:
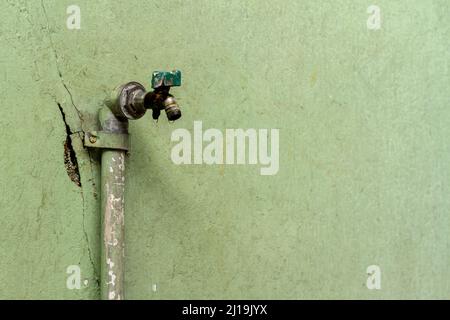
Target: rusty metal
161, 99
127, 102
107, 140
131, 100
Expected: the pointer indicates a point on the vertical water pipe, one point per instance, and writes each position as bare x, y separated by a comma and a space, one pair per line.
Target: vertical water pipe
112, 206
129, 101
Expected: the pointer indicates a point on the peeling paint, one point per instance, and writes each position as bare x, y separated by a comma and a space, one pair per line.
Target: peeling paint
113, 226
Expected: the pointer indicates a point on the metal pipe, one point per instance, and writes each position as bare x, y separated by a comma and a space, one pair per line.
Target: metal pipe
129, 101
113, 179
112, 197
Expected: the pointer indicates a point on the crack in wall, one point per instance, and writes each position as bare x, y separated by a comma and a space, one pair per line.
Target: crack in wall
88, 244
66, 88
58, 69
71, 164
70, 157
94, 186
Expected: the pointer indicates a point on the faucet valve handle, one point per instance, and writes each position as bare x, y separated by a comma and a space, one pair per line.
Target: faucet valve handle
160, 98
166, 79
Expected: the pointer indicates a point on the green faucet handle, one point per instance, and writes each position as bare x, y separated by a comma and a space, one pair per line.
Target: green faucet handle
166, 79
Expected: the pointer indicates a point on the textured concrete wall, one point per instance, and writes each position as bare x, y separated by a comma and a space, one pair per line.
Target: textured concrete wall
364, 123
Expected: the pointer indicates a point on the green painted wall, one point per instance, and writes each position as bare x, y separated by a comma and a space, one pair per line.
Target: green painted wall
364, 124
